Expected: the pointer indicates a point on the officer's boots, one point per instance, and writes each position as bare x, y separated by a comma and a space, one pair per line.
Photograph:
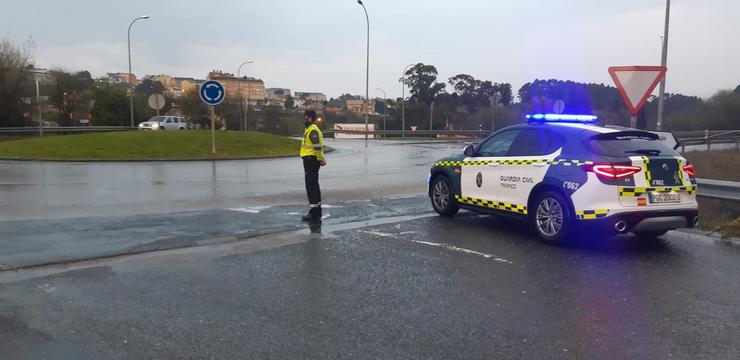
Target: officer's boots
314, 215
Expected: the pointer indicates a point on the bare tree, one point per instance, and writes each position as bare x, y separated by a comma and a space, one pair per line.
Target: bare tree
14, 61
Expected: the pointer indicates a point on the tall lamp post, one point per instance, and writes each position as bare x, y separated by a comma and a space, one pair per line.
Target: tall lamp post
663, 63
131, 95
246, 99
367, 69
385, 107
403, 98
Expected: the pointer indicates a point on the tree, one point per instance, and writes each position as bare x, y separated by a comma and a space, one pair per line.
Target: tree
111, 106
149, 87
69, 92
14, 61
289, 103
422, 82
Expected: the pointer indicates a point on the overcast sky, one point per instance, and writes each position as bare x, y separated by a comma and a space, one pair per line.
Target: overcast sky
319, 45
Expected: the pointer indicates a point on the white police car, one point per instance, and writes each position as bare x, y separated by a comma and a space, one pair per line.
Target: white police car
563, 173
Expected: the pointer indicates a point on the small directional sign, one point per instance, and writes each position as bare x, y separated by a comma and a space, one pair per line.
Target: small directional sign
212, 92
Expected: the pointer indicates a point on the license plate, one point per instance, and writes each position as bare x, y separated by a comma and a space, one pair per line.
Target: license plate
664, 198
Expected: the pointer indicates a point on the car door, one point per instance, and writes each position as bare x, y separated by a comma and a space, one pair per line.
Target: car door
168, 125
525, 165
479, 179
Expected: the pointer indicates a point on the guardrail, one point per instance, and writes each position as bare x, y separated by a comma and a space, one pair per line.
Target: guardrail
717, 189
62, 130
417, 133
709, 138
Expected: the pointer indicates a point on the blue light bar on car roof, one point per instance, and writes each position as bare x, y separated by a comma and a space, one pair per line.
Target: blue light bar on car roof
563, 118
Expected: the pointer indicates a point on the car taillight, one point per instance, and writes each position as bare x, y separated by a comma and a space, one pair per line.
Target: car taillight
689, 169
614, 171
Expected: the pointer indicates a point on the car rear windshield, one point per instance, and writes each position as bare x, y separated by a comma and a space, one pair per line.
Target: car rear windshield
628, 143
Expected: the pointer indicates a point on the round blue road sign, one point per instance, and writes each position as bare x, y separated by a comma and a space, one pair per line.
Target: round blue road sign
212, 92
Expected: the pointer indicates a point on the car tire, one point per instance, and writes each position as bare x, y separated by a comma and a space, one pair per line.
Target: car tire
552, 217
443, 199
650, 234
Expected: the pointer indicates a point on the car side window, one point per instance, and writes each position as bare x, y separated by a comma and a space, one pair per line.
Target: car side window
536, 142
498, 145
169, 121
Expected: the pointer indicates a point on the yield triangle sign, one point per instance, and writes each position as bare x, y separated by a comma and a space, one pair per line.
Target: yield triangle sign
636, 83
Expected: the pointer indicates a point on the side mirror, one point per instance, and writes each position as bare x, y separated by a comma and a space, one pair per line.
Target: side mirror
469, 151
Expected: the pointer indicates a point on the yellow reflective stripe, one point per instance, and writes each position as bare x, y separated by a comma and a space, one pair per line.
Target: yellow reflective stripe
648, 175
680, 171
519, 209
639, 191
592, 214
514, 162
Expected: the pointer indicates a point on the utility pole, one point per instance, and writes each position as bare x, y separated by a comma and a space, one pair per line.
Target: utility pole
130, 75
431, 119
403, 99
367, 71
664, 62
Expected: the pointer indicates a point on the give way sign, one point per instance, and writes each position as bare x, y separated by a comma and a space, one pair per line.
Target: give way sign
636, 83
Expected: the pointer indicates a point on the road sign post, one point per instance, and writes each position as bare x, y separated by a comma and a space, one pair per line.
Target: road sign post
156, 102
635, 84
212, 93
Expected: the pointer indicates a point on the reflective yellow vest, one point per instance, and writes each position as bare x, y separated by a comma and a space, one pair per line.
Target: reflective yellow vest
310, 149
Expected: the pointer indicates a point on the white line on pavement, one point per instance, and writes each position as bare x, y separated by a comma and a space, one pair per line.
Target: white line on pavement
467, 251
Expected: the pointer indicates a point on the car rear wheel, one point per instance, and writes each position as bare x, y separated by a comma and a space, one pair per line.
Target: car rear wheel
443, 199
552, 217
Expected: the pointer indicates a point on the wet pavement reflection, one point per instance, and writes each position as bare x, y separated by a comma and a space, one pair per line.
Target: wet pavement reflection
43, 190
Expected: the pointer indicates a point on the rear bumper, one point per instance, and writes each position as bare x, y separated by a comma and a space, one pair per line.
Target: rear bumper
644, 221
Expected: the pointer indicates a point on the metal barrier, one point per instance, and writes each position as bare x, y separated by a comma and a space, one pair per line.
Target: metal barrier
62, 130
717, 189
709, 137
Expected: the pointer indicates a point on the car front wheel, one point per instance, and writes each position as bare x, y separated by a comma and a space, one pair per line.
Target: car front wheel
443, 199
552, 217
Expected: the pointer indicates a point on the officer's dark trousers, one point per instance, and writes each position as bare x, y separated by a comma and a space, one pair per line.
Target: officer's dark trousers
311, 167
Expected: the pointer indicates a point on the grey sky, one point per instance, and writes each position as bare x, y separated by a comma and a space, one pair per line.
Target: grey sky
319, 45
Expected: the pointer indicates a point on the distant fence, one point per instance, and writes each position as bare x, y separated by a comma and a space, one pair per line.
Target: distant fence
686, 138
62, 130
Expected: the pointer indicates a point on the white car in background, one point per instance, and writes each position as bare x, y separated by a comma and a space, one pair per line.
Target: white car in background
164, 123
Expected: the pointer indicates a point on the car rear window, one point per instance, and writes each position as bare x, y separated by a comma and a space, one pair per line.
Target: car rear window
628, 143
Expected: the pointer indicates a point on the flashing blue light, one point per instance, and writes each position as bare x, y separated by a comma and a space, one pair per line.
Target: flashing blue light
563, 118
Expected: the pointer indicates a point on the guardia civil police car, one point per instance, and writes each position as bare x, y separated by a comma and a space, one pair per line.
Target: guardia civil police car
563, 173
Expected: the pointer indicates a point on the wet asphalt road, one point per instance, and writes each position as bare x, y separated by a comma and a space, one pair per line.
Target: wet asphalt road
473, 287
206, 260
32, 190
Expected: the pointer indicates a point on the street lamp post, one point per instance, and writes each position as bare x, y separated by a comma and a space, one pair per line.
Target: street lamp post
246, 99
403, 99
367, 69
663, 63
385, 108
131, 95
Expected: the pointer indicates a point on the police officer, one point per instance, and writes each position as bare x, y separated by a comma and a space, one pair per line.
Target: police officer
312, 153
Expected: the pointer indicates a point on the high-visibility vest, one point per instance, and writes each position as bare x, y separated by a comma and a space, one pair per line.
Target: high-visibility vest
310, 149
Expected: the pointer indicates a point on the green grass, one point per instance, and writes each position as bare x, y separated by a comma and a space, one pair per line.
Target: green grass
151, 145
716, 164
719, 216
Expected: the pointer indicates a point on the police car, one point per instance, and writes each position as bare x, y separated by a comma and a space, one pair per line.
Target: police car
563, 173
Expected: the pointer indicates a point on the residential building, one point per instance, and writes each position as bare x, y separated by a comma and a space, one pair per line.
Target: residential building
186, 84
250, 88
357, 106
277, 96
311, 96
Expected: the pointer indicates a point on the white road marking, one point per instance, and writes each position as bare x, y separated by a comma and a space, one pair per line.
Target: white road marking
466, 251
251, 210
378, 233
